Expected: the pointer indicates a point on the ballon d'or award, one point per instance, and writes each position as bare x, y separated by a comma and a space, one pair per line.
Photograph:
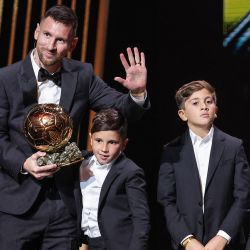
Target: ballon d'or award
48, 128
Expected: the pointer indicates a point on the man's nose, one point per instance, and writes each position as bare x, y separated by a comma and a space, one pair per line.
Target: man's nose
52, 44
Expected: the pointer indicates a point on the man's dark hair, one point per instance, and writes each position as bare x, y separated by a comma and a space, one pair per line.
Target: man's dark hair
63, 14
110, 119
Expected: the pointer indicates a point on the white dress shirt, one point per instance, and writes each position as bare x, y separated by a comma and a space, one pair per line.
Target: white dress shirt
91, 189
48, 91
202, 150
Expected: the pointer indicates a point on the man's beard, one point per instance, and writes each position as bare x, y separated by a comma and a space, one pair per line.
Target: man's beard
45, 62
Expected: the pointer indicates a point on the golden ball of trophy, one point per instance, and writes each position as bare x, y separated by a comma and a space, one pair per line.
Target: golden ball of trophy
48, 127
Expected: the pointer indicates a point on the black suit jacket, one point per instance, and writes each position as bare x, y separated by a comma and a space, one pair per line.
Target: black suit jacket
123, 212
226, 194
80, 91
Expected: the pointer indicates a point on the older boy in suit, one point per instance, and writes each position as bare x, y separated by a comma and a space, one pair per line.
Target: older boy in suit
204, 178
115, 211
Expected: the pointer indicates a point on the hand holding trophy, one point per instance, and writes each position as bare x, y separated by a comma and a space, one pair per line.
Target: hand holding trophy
48, 128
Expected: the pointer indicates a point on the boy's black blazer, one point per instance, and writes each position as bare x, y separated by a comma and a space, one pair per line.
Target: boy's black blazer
226, 194
123, 212
80, 91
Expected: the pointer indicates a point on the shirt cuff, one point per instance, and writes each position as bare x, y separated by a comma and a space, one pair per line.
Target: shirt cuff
186, 238
224, 235
139, 100
22, 171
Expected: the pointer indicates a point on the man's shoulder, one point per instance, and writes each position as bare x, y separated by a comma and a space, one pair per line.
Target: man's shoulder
76, 65
15, 67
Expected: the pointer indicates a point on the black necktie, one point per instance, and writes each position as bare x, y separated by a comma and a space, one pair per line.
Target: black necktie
44, 75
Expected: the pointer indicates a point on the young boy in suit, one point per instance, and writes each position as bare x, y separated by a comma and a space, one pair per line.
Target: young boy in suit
115, 212
204, 177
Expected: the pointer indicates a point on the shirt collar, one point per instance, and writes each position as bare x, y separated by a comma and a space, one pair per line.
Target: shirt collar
94, 163
34, 65
195, 138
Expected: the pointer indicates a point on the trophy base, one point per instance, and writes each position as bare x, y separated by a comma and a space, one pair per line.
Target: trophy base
70, 155
70, 163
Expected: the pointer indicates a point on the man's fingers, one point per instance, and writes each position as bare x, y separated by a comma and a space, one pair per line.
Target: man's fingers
130, 56
143, 62
37, 155
124, 61
137, 56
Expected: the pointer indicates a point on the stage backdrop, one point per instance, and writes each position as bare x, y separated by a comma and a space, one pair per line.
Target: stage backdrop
182, 40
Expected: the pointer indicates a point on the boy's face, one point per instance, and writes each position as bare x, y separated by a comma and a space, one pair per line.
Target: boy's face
199, 110
107, 145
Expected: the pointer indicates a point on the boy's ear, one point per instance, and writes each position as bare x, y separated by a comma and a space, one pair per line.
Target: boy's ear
182, 114
216, 112
125, 142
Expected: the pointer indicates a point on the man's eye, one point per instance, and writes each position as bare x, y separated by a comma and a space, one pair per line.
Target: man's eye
60, 41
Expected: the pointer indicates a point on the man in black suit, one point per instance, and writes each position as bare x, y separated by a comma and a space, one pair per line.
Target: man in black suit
38, 203
204, 178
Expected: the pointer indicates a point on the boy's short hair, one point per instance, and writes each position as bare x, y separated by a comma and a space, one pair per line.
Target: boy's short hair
63, 14
186, 90
110, 119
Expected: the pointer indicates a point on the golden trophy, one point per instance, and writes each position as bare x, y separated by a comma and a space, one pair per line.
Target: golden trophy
48, 128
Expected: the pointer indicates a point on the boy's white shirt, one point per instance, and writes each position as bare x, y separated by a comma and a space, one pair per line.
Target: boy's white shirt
91, 190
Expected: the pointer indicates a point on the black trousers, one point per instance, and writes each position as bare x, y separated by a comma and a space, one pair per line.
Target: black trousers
47, 226
96, 243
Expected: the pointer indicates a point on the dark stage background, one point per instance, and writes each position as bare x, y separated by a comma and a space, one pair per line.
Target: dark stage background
182, 41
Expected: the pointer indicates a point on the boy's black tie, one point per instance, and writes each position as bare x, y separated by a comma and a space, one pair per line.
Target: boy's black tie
44, 75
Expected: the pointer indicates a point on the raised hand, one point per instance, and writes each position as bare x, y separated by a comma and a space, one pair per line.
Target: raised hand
136, 71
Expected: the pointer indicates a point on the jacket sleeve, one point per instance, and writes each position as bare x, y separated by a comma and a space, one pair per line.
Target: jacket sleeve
137, 198
11, 156
241, 191
103, 96
166, 196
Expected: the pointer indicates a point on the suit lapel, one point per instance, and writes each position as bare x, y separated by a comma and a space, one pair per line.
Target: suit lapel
191, 173
69, 82
113, 173
28, 82
215, 155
